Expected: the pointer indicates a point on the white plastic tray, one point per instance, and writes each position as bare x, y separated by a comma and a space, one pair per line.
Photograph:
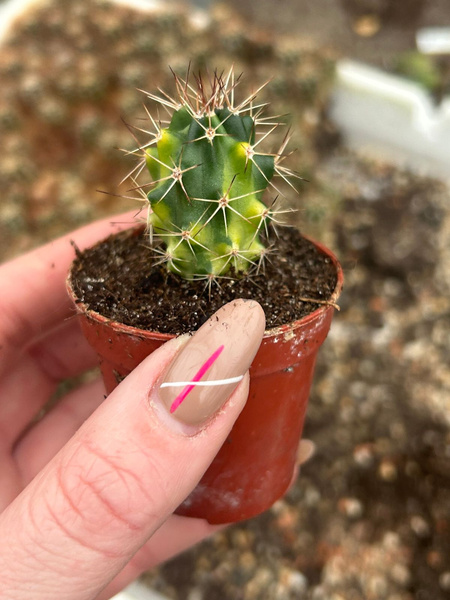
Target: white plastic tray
138, 591
386, 116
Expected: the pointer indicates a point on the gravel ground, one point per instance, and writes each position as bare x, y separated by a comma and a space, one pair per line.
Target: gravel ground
368, 518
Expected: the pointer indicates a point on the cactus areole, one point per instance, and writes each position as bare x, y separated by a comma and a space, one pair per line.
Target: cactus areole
208, 176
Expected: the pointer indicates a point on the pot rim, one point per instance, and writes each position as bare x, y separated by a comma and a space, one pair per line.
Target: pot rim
272, 332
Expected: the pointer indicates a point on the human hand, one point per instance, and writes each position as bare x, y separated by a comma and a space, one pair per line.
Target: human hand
87, 492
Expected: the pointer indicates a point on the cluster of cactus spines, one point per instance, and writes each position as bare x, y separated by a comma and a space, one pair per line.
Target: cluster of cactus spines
209, 174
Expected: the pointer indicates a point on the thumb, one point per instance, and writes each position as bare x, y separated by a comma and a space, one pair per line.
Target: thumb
131, 464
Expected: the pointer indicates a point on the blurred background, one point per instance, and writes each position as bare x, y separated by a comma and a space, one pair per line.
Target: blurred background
369, 518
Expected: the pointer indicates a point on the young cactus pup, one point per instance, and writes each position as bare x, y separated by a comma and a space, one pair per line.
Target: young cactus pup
209, 173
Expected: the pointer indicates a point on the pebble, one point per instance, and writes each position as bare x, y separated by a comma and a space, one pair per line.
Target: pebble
319, 593
297, 582
391, 540
291, 582
377, 586
351, 507
363, 455
288, 519
401, 574
420, 526
444, 581
247, 562
387, 471
260, 581
434, 559
242, 538
312, 496
412, 469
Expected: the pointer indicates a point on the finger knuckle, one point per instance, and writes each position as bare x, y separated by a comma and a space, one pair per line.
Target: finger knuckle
103, 492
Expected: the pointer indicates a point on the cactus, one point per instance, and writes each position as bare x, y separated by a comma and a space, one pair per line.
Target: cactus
208, 178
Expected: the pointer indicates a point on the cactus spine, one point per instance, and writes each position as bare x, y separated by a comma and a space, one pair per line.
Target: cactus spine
208, 178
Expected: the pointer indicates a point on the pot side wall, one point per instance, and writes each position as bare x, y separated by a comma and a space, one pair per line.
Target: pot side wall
254, 467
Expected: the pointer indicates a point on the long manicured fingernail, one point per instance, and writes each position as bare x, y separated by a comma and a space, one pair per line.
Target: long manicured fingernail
213, 362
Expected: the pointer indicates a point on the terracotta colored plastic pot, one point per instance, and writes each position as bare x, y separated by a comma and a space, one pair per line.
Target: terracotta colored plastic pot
254, 467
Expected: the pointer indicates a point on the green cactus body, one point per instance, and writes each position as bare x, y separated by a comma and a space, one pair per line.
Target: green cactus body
208, 181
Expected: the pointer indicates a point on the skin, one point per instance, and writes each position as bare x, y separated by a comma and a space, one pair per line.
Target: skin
87, 492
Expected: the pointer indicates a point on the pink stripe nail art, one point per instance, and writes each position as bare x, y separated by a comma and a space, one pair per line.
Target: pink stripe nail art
206, 365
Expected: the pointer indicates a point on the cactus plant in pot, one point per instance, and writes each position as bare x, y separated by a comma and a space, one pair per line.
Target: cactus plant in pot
207, 240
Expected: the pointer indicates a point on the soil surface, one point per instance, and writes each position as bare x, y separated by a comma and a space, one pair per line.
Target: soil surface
118, 279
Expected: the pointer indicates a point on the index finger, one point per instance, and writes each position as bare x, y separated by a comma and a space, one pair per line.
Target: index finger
33, 295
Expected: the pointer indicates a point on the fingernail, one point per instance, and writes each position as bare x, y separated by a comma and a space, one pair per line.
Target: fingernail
213, 362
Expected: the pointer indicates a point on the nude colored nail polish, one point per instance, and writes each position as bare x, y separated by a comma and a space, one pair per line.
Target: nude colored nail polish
213, 362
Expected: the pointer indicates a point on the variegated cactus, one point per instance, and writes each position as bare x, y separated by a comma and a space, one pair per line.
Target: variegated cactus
209, 173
